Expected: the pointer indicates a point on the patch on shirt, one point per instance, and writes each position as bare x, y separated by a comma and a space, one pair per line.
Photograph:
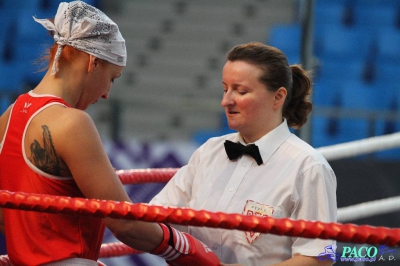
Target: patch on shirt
257, 209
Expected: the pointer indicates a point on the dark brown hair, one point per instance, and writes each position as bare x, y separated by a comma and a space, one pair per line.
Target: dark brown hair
278, 73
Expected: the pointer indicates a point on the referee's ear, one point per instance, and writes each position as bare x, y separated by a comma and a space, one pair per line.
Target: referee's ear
280, 97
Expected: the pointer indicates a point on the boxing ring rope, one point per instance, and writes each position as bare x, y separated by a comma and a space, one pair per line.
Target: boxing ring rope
361, 234
333, 152
368, 209
345, 214
141, 176
359, 147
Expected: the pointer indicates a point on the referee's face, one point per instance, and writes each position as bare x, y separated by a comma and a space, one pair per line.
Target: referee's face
249, 105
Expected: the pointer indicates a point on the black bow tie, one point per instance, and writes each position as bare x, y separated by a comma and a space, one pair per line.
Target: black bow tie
235, 150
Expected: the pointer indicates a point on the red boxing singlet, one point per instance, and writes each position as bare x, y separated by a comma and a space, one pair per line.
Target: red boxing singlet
34, 238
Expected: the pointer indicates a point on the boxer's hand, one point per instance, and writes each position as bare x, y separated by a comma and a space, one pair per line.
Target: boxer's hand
179, 248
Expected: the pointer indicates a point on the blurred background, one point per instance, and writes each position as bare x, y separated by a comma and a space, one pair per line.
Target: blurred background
167, 102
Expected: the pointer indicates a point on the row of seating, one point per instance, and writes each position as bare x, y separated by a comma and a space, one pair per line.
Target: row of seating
358, 64
360, 3
358, 14
339, 41
341, 59
330, 131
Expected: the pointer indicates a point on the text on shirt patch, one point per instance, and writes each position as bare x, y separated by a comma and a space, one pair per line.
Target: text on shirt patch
26, 106
261, 210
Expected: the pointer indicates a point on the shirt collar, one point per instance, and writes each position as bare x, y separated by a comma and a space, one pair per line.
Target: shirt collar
271, 141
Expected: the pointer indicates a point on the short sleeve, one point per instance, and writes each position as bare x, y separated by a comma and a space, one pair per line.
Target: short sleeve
178, 191
316, 192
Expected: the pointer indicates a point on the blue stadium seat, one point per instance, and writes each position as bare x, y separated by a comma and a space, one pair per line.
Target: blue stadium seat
18, 4
339, 69
30, 52
329, 13
3, 48
44, 5
326, 94
286, 37
354, 97
375, 17
391, 100
52, 5
6, 33
324, 2
375, 3
360, 97
385, 126
8, 19
341, 42
386, 72
11, 77
388, 47
27, 29
31, 41
324, 131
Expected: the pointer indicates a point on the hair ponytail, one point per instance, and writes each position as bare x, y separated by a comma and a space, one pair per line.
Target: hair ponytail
298, 106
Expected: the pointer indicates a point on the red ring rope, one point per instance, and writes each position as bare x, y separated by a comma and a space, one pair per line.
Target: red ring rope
111, 250
140, 176
363, 234
342, 232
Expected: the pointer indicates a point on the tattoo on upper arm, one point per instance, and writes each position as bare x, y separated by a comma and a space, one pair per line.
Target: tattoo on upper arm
46, 158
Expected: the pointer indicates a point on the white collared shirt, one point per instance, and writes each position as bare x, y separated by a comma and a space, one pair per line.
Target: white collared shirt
294, 181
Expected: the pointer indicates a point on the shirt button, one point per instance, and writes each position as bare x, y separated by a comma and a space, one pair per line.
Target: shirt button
215, 246
231, 189
244, 164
